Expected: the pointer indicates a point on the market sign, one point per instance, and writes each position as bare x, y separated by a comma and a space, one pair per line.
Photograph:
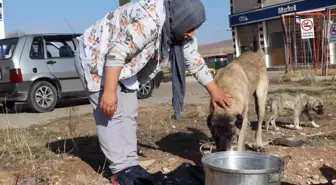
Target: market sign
287, 9
273, 12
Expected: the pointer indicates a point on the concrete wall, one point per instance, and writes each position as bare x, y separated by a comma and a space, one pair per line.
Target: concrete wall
274, 2
247, 5
244, 5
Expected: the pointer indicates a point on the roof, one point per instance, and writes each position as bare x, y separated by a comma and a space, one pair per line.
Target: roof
47, 34
223, 47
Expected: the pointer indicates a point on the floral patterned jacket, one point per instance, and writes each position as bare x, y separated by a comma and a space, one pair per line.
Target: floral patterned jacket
129, 37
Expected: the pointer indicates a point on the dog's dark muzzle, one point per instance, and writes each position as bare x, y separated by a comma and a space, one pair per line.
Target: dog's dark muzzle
320, 111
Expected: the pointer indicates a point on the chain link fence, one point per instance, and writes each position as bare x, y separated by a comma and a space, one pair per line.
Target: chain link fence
309, 56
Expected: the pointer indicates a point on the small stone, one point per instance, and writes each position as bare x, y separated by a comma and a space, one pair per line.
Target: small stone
30, 181
330, 115
303, 134
146, 164
315, 177
172, 159
173, 126
306, 169
302, 182
165, 170
314, 164
314, 182
273, 133
323, 181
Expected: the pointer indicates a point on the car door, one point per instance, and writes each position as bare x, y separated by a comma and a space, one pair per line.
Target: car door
60, 61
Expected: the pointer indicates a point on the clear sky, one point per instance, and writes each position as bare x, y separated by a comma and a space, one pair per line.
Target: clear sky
40, 16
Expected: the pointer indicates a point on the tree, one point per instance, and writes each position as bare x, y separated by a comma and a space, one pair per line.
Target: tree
17, 33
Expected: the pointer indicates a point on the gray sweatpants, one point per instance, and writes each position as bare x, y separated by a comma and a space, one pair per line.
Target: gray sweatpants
117, 135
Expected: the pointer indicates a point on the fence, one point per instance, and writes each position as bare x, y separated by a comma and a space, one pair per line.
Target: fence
309, 56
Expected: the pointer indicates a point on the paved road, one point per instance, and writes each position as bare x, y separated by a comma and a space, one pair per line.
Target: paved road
195, 94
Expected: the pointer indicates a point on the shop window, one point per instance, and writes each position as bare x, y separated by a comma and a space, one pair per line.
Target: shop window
276, 49
253, 46
276, 40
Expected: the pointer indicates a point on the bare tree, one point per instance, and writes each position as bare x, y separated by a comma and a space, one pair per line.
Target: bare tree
17, 33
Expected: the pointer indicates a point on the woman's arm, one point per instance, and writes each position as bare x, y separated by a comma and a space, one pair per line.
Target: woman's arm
130, 41
197, 66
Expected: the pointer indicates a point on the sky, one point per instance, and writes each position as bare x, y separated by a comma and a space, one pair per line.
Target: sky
45, 16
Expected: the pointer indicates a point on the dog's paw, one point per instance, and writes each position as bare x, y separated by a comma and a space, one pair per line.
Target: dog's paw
260, 149
315, 125
291, 126
298, 128
294, 127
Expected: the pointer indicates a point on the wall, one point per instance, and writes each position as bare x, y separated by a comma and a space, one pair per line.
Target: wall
247, 5
274, 2
244, 5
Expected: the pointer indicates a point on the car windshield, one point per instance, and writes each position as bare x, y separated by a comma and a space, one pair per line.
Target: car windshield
7, 47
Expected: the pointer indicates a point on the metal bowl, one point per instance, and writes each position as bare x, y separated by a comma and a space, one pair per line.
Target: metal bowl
242, 162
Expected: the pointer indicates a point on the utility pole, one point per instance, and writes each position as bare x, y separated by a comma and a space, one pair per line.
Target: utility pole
122, 2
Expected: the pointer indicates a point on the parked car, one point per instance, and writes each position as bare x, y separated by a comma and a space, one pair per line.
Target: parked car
38, 70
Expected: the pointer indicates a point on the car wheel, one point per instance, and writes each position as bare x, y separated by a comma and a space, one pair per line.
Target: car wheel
146, 90
42, 97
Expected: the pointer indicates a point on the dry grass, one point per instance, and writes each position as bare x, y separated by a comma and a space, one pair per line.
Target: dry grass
66, 151
26, 154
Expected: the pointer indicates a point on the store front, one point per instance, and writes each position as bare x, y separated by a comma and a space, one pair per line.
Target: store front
248, 38
276, 43
282, 40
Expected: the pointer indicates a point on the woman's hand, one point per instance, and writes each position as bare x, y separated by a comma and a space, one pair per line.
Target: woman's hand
109, 103
218, 98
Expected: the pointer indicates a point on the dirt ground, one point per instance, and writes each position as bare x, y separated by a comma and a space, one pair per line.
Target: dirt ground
66, 151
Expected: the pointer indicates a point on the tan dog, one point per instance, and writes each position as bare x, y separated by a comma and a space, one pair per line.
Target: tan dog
299, 104
242, 78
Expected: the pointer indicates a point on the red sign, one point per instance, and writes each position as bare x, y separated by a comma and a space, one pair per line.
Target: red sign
333, 30
307, 25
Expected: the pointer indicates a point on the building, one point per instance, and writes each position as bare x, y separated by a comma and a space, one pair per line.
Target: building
217, 54
276, 27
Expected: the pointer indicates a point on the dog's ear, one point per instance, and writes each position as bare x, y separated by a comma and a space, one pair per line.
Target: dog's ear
239, 121
209, 120
319, 102
311, 103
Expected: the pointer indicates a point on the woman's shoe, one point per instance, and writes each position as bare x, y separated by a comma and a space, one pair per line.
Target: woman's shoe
129, 176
